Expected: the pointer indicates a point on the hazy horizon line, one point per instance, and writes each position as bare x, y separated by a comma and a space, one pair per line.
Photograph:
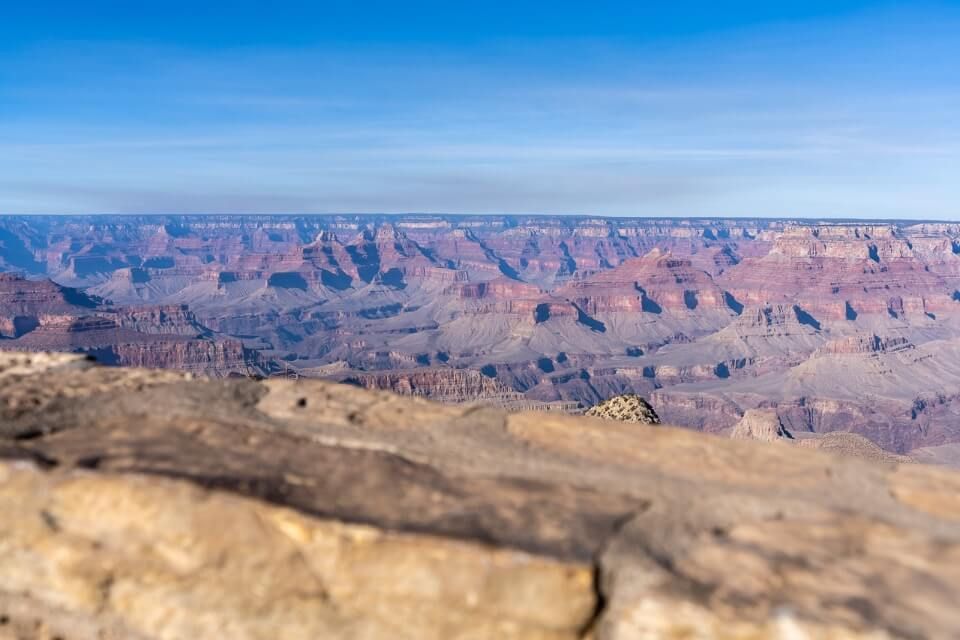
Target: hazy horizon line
452, 214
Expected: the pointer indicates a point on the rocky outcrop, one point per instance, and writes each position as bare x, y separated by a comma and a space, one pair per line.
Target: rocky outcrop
101, 339
760, 424
499, 296
161, 319
625, 408
657, 282
766, 425
774, 321
851, 445
153, 504
23, 303
439, 383
315, 578
842, 271
864, 344
705, 412
210, 357
40, 315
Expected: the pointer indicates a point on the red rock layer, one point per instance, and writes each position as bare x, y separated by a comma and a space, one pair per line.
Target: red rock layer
656, 282
840, 272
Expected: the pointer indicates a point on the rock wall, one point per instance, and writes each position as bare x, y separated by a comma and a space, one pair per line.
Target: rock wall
445, 384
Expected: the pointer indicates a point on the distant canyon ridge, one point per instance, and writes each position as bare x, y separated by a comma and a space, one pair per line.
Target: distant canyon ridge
835, 326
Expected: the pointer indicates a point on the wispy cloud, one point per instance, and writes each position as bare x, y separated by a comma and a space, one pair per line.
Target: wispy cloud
738, 123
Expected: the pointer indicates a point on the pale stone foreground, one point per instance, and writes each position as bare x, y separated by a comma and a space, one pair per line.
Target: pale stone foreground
142, 504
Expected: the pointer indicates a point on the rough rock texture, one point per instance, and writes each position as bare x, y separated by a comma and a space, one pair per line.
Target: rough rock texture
625, 408
93, 555
150, 504
760, 424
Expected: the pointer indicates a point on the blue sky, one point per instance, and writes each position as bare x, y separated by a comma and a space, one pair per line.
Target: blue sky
845, 109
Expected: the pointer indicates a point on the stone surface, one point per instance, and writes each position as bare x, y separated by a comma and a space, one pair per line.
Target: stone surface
626, 408
150, 504
760, 424
134, 556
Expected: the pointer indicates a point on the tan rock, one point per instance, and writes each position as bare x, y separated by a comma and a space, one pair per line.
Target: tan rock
851, 444
765, 425
158, 558
625, 408
760, 424
136, 504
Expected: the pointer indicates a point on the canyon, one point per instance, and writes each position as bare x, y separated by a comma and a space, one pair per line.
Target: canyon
846, 327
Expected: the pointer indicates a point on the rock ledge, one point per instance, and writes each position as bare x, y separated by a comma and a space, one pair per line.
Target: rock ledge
152, 505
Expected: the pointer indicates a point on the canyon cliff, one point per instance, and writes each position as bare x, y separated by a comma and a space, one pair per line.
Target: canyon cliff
850, 327
43, 316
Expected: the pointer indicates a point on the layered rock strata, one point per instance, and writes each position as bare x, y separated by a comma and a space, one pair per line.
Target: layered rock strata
839, 326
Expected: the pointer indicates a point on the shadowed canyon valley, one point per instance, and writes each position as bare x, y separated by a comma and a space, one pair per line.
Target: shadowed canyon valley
820, 327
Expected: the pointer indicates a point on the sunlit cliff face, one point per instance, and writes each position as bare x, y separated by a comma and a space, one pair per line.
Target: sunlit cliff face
839, 326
